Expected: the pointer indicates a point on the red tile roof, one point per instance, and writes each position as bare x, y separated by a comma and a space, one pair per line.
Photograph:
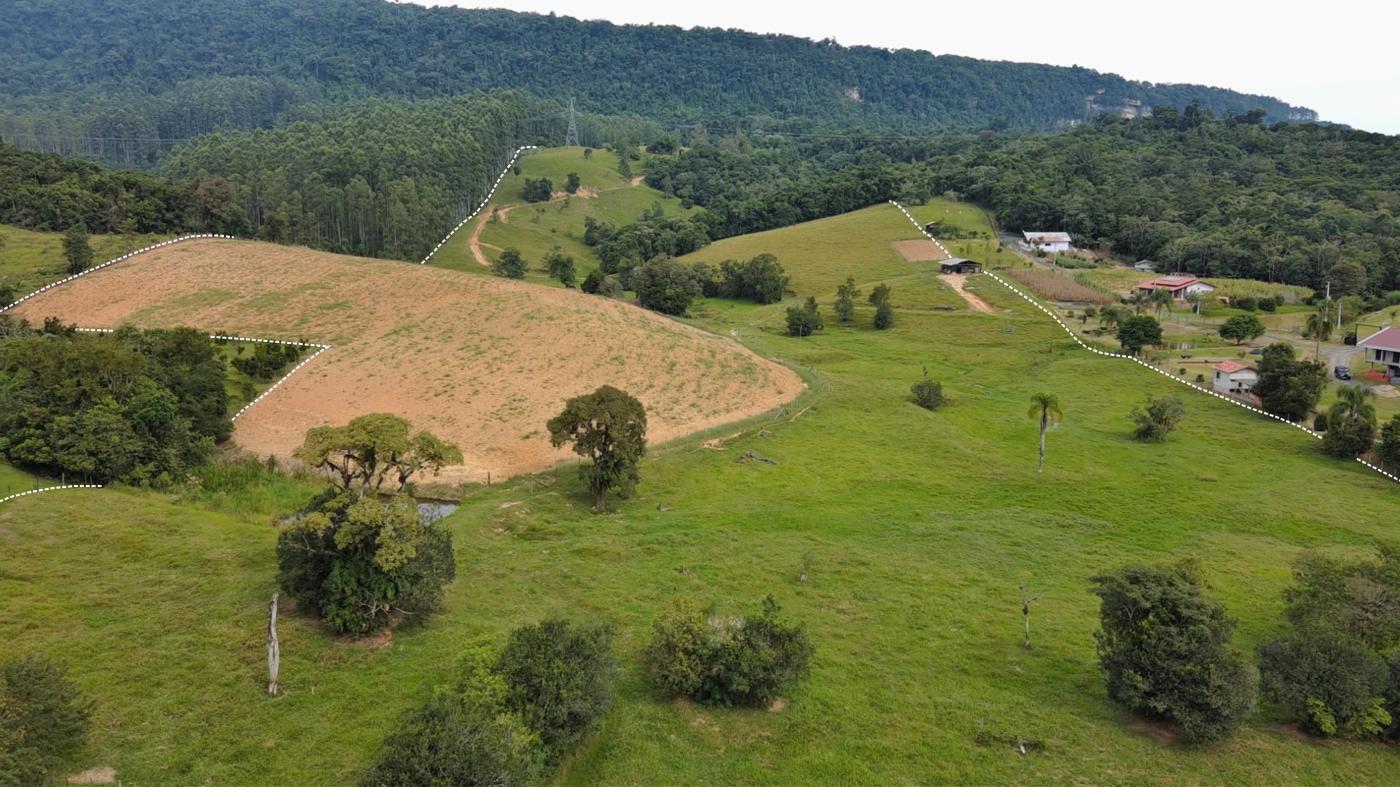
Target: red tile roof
1230, 367
1384, 339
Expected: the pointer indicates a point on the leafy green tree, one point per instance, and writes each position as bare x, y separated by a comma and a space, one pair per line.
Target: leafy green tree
76, 249
1331, 683
884, 316
1137, 332
729, 660
1241, 328
43, 720
846, 295
1389, 449
559, 679
608, 427
1164, 647
572, 182
666, 286
1046, 408
879, 294
560, 266
362, 563
374, 449
1358, 597
760, 279
1348, 277
1351, 423
928, 394
1288, 387
1158, 418
537, 190
510, 265
804, 320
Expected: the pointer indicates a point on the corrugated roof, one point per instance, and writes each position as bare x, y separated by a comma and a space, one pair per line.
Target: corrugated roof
1384, 339
1047, 237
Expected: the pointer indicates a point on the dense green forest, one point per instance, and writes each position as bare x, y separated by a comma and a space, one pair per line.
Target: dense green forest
113, 77
1223, 197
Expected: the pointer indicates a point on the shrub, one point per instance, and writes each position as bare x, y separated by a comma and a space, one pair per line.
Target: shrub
572, 182
537, 190
360, 562
1164, 649
1158, 418
1332, 684
1389, 449
928, 394
560, 266
1270, 304
884, 316
666, 286
743, 661
804, 320
559, 678
1246, 303
464, 735
7, 295
43, 719
510, 265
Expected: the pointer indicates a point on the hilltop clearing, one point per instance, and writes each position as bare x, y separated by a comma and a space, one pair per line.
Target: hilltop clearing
483, 362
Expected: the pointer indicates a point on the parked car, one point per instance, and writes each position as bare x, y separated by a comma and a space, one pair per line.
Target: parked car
1341, 372
1256, 351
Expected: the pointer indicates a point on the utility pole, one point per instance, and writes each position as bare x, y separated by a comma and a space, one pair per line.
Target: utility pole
571, 136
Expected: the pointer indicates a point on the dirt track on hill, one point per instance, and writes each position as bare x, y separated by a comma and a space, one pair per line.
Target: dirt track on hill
481, 361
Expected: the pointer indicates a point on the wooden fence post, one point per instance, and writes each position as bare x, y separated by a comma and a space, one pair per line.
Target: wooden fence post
274, 650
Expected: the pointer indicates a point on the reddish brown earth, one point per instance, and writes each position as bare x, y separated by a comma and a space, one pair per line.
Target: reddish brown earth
481, 361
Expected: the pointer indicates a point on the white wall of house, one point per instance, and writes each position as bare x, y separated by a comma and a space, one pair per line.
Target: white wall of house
1235, 382
1053, 248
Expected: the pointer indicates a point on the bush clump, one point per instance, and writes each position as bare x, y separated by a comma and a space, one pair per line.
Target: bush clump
560, 680
43, 719
1332, 684
1164, 649
1157, 419
928, 394
804, 319
729, 661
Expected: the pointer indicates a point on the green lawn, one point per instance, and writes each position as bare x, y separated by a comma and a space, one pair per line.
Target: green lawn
920, 527
535, 229
971, 219
29, 260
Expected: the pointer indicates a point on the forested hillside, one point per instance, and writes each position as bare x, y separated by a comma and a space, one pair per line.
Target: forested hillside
122, 73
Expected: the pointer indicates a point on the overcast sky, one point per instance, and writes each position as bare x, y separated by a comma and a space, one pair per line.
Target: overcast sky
1338, 58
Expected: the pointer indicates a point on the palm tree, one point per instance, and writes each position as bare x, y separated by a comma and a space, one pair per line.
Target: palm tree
1195, 299
1046, 407
1319, 327
1355, 401
1160, 300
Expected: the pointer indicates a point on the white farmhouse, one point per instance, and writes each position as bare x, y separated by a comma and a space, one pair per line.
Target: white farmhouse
1050, 242
1233, 377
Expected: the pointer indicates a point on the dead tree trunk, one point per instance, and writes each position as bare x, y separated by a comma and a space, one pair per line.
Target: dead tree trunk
274, 650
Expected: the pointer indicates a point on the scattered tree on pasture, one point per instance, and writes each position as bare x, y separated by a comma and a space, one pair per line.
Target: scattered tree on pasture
928, 394
665, 285
1288, 387
572, 182
726, 660
879, 294
804, 319
560, 266
373, 449
1164, 649
537, 190
559, 679
588, 153
1351, 423
1026, 600
846, 295
760, 279
1046, 408
1137, 332
884, 316
510, 265
608, 427
76, 249
1241, 328
43, 720
1158, 418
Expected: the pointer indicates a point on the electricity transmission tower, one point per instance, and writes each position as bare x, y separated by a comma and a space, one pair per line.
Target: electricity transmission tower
571, 137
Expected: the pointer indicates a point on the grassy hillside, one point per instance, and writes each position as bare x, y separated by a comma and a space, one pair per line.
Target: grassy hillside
536, 228
29, 260
920, 527
819, 255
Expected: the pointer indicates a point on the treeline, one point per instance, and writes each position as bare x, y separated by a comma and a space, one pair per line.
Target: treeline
135, 406
350, 49
49, 192
1230, 198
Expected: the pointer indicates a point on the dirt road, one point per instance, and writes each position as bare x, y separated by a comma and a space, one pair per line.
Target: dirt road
958, 281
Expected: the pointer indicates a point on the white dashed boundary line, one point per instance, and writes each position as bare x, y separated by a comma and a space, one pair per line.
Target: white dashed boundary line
49, 489
1134, 359
127, 256
320, 348
483, 204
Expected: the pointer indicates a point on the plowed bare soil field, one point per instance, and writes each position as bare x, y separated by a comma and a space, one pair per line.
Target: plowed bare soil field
481, 361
